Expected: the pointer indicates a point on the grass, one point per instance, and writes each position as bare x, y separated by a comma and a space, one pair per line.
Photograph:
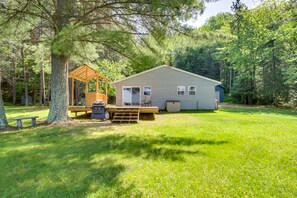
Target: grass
234, 152
21, 111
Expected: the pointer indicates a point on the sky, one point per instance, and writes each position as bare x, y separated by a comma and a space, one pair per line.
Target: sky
214, 8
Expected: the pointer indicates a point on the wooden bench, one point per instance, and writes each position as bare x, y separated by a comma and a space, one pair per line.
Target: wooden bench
19, 120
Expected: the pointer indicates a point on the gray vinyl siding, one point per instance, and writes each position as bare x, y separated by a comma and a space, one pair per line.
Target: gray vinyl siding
164, 81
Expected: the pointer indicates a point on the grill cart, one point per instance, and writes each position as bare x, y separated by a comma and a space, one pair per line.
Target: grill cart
98, 110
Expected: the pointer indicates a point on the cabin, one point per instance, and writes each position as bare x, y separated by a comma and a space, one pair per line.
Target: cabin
123, 114
159, 85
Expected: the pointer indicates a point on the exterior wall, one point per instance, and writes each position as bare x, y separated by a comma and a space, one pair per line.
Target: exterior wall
164, 82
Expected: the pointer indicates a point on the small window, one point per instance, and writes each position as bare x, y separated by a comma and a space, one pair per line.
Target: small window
147, 91
181, 90
192, 90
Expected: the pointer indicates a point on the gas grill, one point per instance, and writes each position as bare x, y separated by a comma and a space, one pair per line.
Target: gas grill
98, 110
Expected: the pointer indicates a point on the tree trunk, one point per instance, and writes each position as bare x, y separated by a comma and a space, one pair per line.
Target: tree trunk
48, 95
42, 86
230, 81
25, 77
274, 78
14, 83
14, 70
34, 95
3, 119
59, 77
59, 89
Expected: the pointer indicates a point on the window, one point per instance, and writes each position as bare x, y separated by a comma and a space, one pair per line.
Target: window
181, 90
192, 90
147, 91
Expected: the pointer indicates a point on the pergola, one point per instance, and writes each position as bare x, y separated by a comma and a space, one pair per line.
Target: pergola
85, 74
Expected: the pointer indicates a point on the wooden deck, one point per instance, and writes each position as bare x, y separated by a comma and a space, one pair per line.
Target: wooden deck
146, 113
112, 109
77, 109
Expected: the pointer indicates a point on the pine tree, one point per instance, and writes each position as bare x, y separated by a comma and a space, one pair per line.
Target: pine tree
115, 25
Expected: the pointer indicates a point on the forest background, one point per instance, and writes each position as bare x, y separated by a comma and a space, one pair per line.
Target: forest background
252, 52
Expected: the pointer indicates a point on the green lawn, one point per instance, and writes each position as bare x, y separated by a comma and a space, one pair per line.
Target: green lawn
234, 152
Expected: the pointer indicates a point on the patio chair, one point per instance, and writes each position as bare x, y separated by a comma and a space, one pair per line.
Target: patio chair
147, 101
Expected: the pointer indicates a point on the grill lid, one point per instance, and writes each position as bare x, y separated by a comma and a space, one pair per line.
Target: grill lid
98, 103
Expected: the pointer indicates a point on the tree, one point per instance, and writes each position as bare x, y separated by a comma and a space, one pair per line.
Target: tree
115, 25
252, 52
262, 56
220, 22
3, 119
41, 57
3, 67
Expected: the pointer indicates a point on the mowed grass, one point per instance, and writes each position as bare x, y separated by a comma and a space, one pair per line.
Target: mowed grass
234, 152
21, 111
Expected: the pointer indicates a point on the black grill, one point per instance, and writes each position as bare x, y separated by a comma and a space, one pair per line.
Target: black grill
98, 110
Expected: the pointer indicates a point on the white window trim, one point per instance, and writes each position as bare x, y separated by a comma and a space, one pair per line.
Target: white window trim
184, 90
192, 90
131, 88
150, 90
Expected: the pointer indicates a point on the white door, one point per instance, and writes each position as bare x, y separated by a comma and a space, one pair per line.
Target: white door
218, 96
131, 96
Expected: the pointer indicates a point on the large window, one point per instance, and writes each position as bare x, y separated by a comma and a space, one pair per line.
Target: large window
147, 90
181, 90
192, 90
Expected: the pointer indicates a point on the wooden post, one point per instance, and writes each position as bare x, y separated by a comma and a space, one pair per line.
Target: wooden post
72, 92
87, 87
106, 83
97, 84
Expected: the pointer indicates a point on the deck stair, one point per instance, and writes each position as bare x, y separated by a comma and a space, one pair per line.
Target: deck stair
126, 115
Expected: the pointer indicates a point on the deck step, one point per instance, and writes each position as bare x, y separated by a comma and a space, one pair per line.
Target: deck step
132, 111
124, 120
126, 115
123, 117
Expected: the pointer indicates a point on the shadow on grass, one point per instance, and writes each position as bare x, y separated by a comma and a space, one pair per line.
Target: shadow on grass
63, 161
254, 110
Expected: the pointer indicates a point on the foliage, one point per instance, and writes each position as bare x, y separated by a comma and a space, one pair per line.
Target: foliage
263, 53
220, 22
246, 152
116, 25
252, 52
114, 71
